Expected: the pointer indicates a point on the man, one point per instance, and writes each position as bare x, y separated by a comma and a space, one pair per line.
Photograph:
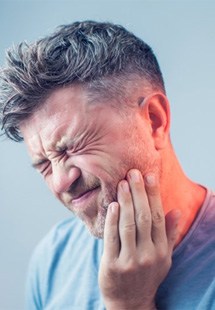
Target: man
90, 103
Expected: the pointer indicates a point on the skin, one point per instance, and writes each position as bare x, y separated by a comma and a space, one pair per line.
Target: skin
81, 151
138, 244
113, 165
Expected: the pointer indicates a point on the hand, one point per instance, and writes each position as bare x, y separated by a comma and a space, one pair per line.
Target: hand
138, 245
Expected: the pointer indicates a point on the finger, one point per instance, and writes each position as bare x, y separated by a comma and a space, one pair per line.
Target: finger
158, 231
111, 232
141, 207
127, 227
172, 220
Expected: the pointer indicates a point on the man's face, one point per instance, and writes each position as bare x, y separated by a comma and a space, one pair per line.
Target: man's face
83, 149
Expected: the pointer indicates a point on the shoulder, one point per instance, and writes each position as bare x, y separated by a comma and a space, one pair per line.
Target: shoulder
51, 270
61, 234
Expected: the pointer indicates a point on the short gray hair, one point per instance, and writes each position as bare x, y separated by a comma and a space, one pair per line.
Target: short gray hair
94, 54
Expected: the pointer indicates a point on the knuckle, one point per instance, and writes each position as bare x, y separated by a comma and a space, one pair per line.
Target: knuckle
168, 262
112, 239
129, 227
112, 268
164, 258
142, 218
157, 217
129, 267
162, 255
147, 261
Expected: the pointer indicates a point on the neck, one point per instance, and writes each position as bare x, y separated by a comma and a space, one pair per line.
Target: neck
179, 192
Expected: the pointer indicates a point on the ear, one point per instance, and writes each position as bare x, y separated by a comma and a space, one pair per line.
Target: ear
157, 112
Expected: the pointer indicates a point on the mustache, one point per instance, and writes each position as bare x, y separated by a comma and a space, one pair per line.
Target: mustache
82, 186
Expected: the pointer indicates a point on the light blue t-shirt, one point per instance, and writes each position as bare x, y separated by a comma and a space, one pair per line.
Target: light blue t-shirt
190, 283
63, 271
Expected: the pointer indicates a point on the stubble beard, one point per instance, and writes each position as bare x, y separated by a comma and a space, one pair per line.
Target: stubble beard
96, 227
108, 193
153, 166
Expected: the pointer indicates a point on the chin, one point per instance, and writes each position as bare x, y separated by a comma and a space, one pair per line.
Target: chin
96, 226
99, 234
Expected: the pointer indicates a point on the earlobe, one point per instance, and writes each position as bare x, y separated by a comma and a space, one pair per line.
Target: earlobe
157, 111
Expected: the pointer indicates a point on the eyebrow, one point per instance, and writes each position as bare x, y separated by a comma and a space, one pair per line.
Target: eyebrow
60, 146
38, 163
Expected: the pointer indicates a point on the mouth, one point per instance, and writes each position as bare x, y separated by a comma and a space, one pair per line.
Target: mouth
83, 197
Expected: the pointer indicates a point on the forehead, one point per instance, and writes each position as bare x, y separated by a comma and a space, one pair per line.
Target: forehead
67, 112
66, 101
64, 104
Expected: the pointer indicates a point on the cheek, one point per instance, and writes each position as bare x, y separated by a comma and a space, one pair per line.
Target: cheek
99, 165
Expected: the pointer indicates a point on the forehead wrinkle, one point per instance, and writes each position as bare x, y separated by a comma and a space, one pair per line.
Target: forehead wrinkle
67, 137
77, 127
64, 142
57, 137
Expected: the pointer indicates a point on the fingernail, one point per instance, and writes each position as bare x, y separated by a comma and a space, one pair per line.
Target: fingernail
113, 207
124, 186
150, 179
134, 175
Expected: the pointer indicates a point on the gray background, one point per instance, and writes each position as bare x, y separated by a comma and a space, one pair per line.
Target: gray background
182, 34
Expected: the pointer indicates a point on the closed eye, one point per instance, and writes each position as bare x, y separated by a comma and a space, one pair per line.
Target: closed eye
41, 165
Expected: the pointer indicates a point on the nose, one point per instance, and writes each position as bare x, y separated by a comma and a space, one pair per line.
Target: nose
63, 177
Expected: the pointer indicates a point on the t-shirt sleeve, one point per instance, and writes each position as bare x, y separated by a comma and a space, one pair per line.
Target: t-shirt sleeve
33, 300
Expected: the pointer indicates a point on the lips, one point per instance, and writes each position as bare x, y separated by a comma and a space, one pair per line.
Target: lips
84, 194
